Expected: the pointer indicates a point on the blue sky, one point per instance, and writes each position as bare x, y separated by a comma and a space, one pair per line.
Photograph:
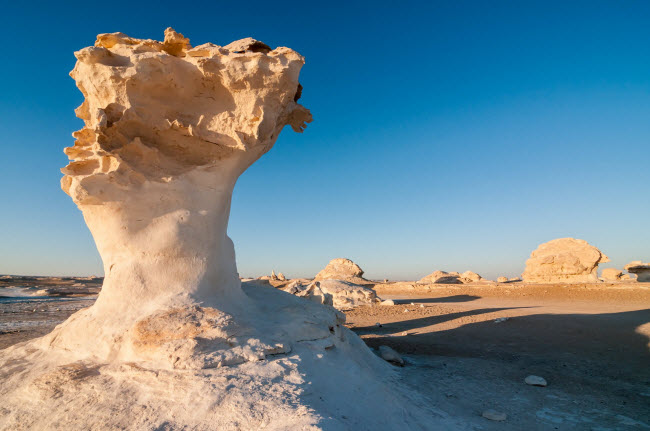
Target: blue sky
450, 135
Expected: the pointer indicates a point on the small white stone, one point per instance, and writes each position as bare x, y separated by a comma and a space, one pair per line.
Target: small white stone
494, 415
406, 310
388, 302
390, 355
535, 381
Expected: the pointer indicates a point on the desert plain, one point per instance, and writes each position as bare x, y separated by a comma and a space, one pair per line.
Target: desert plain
468, 347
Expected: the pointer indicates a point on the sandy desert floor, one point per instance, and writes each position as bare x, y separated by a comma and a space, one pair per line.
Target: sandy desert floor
590, 342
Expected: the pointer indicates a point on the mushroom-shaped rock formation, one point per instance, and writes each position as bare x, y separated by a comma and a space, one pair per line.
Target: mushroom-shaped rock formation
564, 260
642, 270
341, 269
174, 340
611, 274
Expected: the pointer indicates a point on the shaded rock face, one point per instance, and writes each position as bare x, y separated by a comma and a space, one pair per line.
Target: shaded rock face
564, 260
642, 270
443, 277
340, 294
340, 269
611, 274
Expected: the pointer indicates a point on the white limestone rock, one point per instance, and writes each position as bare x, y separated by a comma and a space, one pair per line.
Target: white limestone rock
390, 355
535, 381
343, 295
494, 415
443, 277
174, 341
611, 274
642, 270
341, 269
502, 279
564, 260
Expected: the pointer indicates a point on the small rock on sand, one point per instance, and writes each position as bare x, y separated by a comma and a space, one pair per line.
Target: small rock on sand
494, 415
390, 355
388, 302
535, 381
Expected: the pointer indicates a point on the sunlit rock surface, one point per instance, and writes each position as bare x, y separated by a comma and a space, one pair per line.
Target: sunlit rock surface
173, 340
564, 260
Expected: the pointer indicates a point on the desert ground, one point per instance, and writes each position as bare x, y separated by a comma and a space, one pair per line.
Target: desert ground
469, 347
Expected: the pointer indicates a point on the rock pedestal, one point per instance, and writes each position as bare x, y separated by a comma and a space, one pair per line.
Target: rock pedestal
174, 341
642, 270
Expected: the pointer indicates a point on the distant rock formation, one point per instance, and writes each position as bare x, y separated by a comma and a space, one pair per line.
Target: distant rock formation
611, 274
341, 269
642, 270
340, 294
564, 260
443, 277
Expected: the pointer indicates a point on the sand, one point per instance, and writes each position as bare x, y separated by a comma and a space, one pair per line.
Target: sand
590, 343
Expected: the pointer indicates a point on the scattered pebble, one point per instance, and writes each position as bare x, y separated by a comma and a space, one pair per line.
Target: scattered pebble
421, 305
406, 310
501, 319
494, 415
405, 333
388, 302
390, 355
535, 381
378, 325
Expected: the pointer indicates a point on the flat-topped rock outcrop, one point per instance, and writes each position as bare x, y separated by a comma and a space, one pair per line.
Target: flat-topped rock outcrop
641, 269
564, 260
443, 277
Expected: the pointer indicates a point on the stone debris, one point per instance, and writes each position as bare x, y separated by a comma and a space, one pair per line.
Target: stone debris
641, 269
340, 294
494, 415
502, 279
535, 381
390, 355
501, 319
564, 260
387, 302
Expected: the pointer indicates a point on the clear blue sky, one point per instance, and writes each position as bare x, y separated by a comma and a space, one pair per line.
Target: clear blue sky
447, 135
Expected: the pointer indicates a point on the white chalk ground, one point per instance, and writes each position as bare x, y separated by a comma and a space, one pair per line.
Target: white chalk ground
333, 383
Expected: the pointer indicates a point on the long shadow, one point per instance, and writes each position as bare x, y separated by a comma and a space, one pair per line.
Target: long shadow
453, 298
598, 345
422, 322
